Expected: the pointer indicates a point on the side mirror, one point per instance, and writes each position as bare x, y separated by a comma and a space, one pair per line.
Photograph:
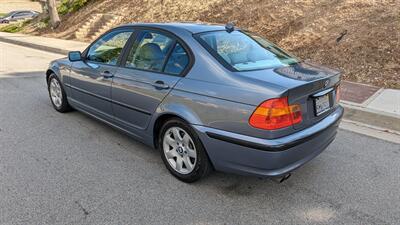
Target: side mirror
75, 56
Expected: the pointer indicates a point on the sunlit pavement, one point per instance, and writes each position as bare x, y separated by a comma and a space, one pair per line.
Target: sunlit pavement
71, 169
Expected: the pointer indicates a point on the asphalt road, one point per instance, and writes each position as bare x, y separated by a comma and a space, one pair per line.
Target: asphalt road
71, 169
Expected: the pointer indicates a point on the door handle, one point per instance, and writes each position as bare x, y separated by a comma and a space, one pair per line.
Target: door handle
106, 74
160, 85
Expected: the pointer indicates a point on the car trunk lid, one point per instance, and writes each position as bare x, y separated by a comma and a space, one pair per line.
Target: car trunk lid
316, 95
304, 83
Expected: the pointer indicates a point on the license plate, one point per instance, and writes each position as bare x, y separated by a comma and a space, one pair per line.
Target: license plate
322, 104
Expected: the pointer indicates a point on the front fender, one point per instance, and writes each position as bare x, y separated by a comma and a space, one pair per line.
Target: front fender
53, 68
61, 68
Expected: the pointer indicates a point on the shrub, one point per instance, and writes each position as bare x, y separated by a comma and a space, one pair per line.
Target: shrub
43, 23
15, 27
68, 6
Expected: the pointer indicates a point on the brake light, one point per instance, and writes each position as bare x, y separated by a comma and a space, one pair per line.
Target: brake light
275, 113
337, 94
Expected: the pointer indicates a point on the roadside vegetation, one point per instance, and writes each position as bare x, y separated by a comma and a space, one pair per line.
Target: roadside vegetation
14, 27
70, 6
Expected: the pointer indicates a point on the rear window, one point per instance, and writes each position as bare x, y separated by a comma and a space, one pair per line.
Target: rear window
245, 51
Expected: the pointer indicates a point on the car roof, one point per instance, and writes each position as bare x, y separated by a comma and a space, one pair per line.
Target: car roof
20, 11
188, 26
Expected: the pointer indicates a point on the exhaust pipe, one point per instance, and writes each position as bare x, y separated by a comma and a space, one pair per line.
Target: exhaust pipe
280, 179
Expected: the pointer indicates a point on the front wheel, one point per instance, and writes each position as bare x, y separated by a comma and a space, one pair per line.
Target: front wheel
57, 94
182, 152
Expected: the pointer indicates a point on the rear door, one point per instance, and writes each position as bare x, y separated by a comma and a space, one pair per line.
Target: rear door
90, 79
153, 65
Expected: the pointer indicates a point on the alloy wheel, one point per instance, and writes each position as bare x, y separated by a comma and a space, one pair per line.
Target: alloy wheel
179, 150
56, 92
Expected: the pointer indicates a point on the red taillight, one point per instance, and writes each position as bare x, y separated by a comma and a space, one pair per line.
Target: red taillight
337, 94
275, 113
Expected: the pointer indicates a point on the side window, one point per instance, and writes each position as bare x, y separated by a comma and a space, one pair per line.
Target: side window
21, 14
150, 52
178, 60
108, 48
17, 15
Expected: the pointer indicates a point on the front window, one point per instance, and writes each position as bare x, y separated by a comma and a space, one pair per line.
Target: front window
108, 48
244, 51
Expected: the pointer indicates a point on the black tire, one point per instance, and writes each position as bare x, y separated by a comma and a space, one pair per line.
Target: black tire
64, 107
202, 166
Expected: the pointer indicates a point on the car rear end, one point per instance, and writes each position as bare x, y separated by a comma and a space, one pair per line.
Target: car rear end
283, 128
247, 155
301, 126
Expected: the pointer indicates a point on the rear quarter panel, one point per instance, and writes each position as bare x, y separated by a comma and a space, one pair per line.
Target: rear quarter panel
206, 104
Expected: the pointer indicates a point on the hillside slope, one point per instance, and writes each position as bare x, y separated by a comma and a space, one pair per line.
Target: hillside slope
361, 37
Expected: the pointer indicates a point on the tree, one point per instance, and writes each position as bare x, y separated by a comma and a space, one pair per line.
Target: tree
52, 10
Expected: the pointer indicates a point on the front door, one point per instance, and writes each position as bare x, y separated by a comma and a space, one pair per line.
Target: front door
90, 79
152, 68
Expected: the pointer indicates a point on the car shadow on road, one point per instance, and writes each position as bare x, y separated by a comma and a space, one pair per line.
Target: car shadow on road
22, 74
222, 183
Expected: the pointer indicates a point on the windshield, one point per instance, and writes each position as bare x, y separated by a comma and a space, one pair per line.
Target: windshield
7, 15
244, 51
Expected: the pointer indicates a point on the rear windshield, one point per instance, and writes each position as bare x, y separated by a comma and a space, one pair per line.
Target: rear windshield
244, 51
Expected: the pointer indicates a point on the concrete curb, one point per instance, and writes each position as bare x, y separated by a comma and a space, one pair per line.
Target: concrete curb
35, 46
352, 106
374, 118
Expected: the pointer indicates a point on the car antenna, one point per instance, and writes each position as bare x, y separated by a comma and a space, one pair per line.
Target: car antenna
229, 27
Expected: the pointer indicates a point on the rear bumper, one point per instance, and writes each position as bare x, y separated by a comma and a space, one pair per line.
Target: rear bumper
241, 154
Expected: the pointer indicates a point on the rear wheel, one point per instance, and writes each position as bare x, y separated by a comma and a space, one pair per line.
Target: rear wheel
57, 94
182, 152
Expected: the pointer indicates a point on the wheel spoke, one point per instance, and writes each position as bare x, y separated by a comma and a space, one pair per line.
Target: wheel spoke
171, 142
177, 135
186, 139
191, 153
179, 163
171, 154
187, 162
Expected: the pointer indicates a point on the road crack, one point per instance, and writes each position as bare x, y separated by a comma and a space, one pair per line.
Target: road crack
82, 208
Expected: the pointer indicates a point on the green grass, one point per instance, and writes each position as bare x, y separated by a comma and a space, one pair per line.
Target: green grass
15, 27
2, 14
68, 6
